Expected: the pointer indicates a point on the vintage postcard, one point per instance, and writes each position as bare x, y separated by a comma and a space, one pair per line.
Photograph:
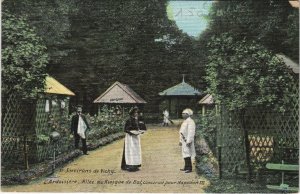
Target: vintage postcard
150, 96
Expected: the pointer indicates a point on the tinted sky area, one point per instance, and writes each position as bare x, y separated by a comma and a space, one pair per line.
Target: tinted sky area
190, 16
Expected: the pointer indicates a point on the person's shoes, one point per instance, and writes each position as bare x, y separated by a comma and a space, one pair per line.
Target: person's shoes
188, 171
132, 169
182, 169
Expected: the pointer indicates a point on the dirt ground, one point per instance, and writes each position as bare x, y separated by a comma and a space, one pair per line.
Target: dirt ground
100, 171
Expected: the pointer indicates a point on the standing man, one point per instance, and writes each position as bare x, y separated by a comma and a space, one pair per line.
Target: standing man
186, 140
79, 126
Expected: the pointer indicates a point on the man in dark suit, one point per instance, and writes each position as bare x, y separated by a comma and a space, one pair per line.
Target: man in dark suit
79, 126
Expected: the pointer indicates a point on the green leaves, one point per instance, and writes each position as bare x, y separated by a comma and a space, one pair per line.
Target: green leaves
274, 24
244, 73
24, 58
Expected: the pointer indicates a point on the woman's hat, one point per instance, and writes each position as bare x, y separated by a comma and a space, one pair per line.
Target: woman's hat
133, 109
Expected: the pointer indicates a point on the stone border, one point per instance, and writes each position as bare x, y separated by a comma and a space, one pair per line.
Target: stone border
45, 168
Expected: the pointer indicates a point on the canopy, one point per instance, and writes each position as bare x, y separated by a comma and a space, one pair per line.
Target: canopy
120, 93
54, 87
207, 99
182, 89
288, 62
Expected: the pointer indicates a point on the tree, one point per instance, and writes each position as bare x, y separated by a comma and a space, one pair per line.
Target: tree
116, 41
24, 58
50, 19
92, 44
274, 24
243, 74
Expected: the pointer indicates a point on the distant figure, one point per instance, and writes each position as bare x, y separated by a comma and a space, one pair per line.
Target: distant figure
166, 120
141, 120
79, 126
132, 156
118, 110
187, 135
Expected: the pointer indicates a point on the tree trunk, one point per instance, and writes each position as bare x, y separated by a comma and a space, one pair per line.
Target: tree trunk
247, 144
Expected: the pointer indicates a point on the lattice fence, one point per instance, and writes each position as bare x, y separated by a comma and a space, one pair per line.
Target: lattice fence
11, 141
230, 139
46, 122
273, 137
16, 124
25, 122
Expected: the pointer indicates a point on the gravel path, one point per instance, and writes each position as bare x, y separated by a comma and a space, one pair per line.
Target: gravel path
100, 171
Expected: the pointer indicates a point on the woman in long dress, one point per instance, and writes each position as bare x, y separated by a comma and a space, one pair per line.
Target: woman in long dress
132, 153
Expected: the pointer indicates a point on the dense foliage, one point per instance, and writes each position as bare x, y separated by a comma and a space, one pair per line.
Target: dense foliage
105, 123
50, 19
102, 125
24, 58
100, 42
244, 73
134, 42
207, 128
274, 24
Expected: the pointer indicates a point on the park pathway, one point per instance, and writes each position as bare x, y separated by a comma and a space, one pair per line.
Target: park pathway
100, 171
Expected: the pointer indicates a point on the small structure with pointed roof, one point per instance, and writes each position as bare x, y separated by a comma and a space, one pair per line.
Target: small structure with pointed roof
55, 94
54, 87
289, 63
35, 118
207, 99
181, 96
207, 103
182, 89
120, 94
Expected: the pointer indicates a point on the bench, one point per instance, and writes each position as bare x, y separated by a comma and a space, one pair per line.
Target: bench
283, 168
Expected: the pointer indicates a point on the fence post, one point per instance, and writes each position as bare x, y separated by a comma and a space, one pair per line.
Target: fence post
220, 161
26, 153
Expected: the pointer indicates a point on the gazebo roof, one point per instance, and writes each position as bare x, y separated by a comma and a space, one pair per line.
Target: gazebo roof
182, 89
54, 87
119, 93
207, 99
288, 62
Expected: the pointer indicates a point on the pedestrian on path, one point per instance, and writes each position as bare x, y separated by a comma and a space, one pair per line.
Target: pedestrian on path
166, 120
186, 140
132, 156
79, 127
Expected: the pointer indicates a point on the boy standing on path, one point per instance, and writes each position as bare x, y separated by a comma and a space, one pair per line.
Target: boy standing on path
186, 140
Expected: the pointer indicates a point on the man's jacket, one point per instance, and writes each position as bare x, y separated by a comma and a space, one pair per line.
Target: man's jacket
74, 123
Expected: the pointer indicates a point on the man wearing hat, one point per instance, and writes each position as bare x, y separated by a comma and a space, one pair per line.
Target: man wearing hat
186, 140
132, 156
79, 126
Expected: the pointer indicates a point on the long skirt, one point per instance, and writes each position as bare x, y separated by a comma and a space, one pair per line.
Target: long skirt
131, 152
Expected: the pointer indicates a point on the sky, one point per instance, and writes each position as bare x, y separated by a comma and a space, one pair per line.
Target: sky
189, 15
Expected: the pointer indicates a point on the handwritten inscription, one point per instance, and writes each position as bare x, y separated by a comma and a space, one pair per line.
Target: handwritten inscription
116, 99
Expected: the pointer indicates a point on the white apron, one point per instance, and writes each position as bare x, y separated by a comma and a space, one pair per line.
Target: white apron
81, 128
187, 135
133, 151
